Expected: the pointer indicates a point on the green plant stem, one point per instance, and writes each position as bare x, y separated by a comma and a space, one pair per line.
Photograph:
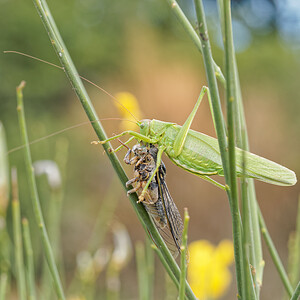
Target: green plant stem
81, 93
53, 218
231, 102
294, 252
3, 285
221, 135
296, 293
141, 271
150, 267
193, 35
21, 283
29, 260
183, 257
166, 266
250, 277
34, 195
213, 87
274, 255
105, 216
251, 230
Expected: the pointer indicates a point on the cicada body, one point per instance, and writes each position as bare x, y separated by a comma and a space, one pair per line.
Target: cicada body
157, 199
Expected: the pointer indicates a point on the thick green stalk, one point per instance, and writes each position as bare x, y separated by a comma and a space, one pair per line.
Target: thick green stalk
193, 35
183, 257
296, 293
220, 130
248, 243
274, 255
231, 99
81, 93
29, 261
21, 283
213, 87
34, 196
251, 231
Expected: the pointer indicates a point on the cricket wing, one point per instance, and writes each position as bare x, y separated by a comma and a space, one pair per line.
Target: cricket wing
256, 167
264, 169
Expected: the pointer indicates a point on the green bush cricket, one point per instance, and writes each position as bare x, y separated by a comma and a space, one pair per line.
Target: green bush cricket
199, 154
193, 151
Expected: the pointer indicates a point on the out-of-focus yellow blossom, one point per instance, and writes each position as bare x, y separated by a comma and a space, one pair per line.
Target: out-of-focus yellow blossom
76, 298
208, 272
131, 104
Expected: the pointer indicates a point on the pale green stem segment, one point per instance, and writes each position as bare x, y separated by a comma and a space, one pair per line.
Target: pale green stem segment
183, 258
193, 35
242, 270
296, 294
72, 74
221, 134
251, 232
150, 266
294, 251
35, 198
19, 262
141, 270
4, 285
274, 254
29, 260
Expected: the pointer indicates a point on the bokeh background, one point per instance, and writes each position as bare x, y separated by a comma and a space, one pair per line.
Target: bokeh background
139, 47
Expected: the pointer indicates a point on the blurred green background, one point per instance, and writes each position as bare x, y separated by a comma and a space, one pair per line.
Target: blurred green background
139, 47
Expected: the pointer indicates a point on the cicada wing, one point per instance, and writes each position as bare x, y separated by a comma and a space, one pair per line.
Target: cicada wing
157, 213
172, 233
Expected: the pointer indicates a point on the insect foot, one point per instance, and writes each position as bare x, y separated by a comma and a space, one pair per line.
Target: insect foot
142, 196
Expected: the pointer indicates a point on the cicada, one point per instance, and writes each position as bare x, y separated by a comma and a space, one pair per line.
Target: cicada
157, 199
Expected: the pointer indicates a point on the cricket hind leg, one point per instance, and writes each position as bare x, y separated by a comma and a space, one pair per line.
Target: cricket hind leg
214, 182
182, 135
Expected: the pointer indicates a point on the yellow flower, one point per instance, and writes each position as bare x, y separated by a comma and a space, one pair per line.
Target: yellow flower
208, 272
129, 107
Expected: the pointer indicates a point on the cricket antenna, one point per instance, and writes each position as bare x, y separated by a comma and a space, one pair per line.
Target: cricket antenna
63, 130
83, 78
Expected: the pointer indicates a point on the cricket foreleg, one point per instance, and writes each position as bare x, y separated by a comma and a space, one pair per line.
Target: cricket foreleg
123, 145
158, 163
134, 134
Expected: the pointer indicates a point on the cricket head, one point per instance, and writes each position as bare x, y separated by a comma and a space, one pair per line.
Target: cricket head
154, 128
145, 127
